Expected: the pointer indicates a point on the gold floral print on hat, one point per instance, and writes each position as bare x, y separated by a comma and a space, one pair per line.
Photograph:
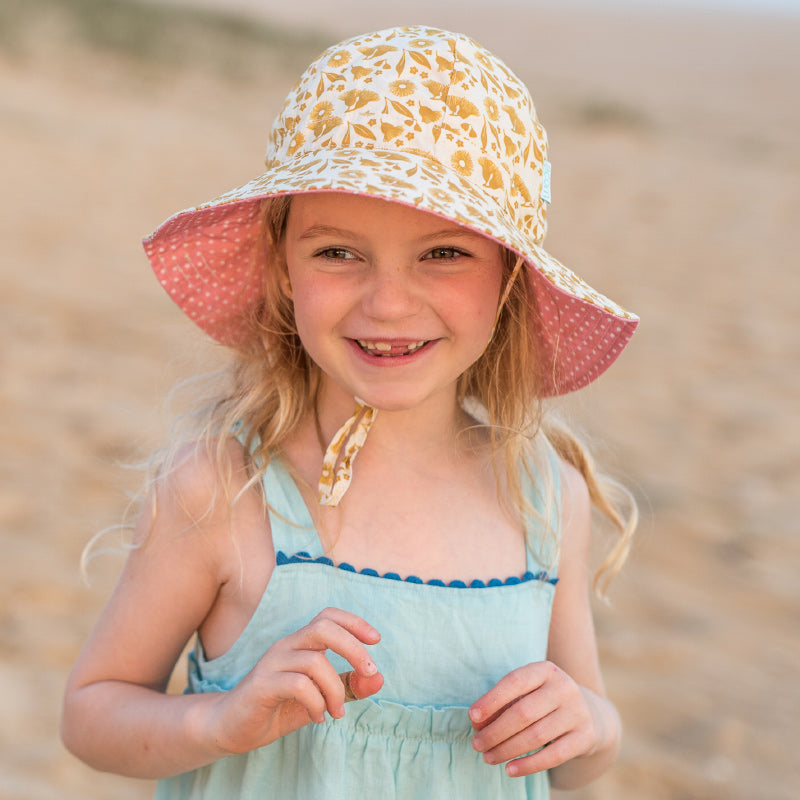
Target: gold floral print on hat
430, 95
418, 116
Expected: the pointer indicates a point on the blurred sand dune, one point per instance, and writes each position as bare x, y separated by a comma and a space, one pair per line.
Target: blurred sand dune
676, 190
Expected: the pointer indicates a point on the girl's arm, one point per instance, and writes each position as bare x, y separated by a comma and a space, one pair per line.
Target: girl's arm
558, 705
190, 562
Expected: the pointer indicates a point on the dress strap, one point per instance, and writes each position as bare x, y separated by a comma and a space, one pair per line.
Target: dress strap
293, 529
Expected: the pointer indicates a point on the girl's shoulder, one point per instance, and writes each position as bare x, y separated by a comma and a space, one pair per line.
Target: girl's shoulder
569, 486
562, 461
575, 499
208, 529
205, 497
199, 473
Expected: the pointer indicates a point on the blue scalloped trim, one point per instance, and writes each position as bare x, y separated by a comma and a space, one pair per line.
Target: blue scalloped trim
304, 558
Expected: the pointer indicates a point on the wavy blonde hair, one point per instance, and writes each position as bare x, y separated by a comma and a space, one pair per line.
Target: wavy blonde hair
271, 385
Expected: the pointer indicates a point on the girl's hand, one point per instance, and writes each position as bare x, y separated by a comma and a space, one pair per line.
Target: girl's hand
294, 683
537, 708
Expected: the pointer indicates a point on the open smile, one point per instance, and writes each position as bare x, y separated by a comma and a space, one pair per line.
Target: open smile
382, 349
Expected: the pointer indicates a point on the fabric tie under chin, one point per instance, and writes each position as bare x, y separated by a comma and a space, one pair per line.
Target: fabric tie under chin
337, 464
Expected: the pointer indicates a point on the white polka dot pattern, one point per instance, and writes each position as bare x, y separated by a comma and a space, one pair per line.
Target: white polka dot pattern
416, 116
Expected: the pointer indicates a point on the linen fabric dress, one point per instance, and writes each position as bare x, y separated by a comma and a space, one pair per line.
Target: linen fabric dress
442, 647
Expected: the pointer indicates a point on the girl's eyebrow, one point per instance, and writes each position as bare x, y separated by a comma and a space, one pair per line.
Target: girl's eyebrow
458, 233
326, 230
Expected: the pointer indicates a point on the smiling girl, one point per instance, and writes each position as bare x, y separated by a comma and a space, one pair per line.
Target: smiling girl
375, 512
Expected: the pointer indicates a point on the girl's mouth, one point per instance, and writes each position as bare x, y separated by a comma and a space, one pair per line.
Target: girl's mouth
388, 349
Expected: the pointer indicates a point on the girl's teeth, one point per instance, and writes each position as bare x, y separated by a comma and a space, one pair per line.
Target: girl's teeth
385, 347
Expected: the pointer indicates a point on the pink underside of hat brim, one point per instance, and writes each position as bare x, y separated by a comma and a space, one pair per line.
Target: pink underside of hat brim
578, 340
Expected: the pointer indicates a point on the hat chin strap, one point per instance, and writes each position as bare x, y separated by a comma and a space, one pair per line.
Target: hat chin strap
337, 463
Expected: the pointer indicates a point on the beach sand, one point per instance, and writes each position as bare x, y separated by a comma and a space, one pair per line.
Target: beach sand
676, 180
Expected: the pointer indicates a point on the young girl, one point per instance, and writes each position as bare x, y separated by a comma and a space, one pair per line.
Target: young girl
380, 545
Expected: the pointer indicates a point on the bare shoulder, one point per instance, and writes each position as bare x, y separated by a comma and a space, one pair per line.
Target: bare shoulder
575, 500
211, 516
200, 483
198, 511
185, 551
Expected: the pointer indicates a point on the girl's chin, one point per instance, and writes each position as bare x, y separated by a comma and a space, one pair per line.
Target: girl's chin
393, 399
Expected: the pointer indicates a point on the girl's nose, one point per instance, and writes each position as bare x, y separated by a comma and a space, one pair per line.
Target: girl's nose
390, 295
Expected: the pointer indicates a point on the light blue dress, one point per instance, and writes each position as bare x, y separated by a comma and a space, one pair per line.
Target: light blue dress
442, 647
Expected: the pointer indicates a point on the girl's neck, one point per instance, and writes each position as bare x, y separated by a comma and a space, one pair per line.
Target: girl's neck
435, 430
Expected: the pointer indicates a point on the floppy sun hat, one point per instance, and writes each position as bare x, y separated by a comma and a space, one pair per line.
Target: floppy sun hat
417, 116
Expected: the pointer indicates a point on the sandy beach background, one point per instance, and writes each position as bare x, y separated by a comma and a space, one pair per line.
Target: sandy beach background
676, 178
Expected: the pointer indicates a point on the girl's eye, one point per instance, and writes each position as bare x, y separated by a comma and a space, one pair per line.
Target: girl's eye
336, 254
439, 253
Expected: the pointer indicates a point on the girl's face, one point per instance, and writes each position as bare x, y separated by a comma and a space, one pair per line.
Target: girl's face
393, 304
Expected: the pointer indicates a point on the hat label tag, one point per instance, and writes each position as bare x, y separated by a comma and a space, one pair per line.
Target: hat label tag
546, 181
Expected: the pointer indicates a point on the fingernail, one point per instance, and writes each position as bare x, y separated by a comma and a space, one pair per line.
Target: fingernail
475, 715
370, 668
477, 744
512, 770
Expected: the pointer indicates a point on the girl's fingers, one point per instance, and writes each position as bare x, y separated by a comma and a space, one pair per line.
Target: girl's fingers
295, 683
533, 737
507, 691
546, 727
356, 625
344, 634
313, 677
520, 728
484, 723
304, 698
304, 654
550, 755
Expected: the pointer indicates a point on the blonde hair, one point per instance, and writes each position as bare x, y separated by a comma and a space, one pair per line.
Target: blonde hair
272, 383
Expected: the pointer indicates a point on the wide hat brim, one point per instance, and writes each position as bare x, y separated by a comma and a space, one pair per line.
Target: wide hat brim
211, 258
